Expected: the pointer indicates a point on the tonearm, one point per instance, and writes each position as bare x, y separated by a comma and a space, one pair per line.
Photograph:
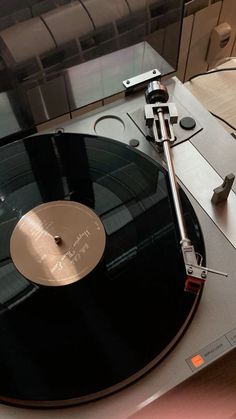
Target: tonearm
160, 115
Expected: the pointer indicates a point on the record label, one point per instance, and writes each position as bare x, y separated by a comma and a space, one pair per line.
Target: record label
57, 243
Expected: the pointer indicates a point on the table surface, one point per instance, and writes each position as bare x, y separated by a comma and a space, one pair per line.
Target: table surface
217, 92
209, 394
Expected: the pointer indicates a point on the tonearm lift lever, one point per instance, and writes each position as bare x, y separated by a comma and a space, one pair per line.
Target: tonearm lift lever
160, 116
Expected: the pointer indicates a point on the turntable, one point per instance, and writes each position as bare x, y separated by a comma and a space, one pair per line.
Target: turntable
115, 281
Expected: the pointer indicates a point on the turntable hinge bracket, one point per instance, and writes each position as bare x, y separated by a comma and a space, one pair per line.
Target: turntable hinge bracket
141, 79
221, 193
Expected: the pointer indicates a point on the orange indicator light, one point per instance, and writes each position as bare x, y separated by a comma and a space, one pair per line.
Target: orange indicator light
197, 361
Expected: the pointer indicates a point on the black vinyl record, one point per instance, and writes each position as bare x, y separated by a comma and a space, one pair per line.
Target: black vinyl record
76, 342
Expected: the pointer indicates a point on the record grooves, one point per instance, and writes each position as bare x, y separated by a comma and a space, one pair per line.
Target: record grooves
72, 343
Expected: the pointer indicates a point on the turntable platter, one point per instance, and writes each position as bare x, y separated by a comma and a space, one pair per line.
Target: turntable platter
82, 340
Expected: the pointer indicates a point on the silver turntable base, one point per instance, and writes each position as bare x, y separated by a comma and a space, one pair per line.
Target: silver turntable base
202, 158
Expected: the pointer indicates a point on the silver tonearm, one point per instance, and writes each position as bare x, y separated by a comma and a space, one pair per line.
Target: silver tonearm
160, 116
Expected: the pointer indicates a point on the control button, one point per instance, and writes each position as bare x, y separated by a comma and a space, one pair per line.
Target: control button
197, 361
187, 123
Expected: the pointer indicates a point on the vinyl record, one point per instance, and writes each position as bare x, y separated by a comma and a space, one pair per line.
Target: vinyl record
91, 273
